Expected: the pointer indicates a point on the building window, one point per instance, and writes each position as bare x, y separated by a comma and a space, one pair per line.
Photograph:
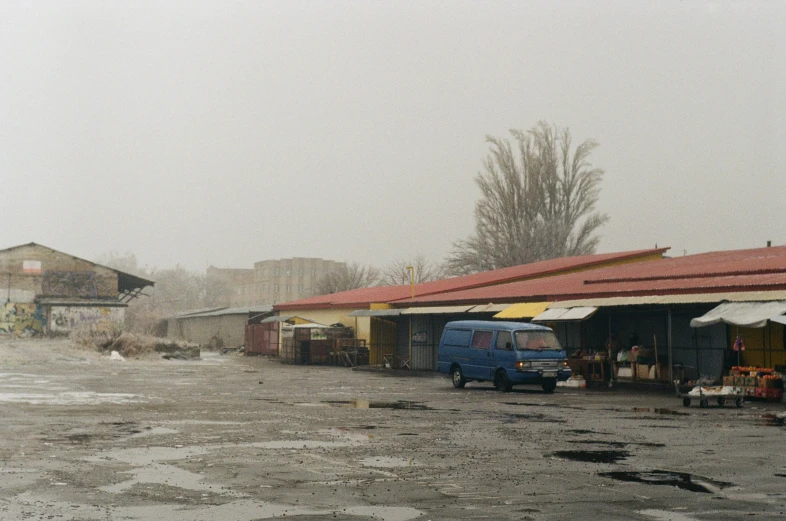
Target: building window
278, 272
289, 272
277, 287
300, 271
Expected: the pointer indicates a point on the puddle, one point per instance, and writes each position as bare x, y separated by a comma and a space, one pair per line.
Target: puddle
532, 418
582, 431
779, 475
592, 456
619, 444
70, 398
656, 410
681, 480
154, 431
368, 404
666, 515
543, 404
26, 505
385, 462
772, 420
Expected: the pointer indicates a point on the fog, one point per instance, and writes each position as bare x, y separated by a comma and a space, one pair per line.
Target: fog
225, 133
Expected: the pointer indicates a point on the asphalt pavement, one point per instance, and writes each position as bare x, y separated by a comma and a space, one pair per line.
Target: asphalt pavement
240, 438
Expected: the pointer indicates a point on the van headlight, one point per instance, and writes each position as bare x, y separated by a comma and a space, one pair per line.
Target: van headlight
521, 365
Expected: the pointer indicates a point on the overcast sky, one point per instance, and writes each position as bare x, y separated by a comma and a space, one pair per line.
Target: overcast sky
225, 133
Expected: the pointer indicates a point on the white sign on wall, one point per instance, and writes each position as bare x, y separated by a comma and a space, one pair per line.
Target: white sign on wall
31, 266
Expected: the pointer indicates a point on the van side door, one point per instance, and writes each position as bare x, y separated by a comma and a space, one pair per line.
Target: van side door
481, 356
504, 355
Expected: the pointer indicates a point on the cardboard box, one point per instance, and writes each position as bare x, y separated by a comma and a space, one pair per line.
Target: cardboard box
643, 371
625, 372
728, 380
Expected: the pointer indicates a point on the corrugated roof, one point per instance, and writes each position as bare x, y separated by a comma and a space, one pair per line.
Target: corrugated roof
696, 298
637, 279
215, 312
390, 294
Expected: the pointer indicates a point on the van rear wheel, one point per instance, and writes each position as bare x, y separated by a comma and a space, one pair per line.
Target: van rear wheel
549, 385
458, 378
502, 382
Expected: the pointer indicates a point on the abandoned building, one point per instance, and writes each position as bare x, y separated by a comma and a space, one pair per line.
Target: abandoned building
51, 292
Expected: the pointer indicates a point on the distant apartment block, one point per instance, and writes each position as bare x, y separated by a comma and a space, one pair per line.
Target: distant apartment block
274, 281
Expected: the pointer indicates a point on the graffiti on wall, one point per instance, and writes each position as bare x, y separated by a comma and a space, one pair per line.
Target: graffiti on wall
69, 284
65, 319
22, 319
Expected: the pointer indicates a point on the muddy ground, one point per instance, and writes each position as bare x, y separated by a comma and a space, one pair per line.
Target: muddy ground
245, 438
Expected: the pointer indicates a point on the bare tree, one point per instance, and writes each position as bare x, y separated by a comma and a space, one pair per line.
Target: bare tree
396, 272
125, 262
347, 277
537, 202
177, 289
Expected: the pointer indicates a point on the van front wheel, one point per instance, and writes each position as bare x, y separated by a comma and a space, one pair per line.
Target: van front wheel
549, 386
502, 382
458, 378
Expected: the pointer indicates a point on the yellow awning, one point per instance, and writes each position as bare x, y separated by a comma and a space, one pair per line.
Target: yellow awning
523, 310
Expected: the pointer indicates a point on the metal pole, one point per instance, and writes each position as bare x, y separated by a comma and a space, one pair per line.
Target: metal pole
671, 361
410, 340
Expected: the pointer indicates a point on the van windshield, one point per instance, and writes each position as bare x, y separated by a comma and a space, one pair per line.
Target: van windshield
537, 341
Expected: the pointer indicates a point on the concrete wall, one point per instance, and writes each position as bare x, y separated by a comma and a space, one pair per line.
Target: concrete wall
64, 319
231, 329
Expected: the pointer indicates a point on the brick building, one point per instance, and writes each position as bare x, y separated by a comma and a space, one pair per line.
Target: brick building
273, 281
51, 292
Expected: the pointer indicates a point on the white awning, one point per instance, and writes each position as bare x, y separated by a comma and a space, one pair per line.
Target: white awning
742, 314
488, 308
375, 313
440, 310
780, 319
565, 314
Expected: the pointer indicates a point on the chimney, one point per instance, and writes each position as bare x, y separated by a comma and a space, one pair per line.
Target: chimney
769, 243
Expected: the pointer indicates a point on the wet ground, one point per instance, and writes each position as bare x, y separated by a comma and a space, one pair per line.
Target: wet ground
236, 438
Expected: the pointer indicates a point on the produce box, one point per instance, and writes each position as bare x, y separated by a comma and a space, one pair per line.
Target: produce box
751, 381
624, 372
749, 391
729, 381
643, 371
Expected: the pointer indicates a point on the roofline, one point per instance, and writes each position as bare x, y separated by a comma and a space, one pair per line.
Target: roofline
587, 266
148, 282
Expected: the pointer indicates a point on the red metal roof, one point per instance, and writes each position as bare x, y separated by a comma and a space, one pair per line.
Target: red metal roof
759, 269
363, 297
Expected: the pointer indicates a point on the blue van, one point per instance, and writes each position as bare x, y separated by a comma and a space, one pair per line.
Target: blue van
506, 353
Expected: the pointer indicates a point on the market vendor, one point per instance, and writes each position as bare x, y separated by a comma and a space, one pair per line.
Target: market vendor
615, 346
